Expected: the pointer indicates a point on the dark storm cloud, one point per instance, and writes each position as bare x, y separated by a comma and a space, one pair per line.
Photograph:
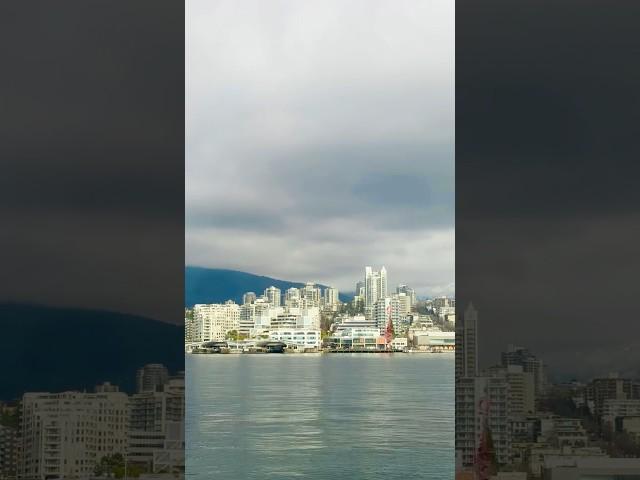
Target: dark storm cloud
92, 140
546, 208
320, 140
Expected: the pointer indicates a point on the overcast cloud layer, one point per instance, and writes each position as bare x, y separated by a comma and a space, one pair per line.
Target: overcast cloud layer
320, 139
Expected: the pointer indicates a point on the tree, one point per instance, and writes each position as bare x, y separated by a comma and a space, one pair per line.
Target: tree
114, 466
235, 336
9, 418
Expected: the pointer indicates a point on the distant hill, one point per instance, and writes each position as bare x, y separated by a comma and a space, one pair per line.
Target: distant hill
214, 285
57, 349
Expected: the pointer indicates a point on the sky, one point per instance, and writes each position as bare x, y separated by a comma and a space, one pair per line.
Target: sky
547, 206
320, 139
93, 140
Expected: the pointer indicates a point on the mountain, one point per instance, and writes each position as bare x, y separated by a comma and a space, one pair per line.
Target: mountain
57, 349
214, 285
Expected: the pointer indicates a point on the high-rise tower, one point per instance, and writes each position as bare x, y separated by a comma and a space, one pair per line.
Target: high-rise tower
375, 288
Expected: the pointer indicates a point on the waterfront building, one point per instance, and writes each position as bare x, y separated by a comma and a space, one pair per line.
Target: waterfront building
375, 288
357, 321
359, 291
298, 339
285, 321
64, 435
274, 296
432, 339
357, 338
213, 321
399, 343
571, 467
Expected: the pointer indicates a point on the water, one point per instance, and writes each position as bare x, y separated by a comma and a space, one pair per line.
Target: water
340, 416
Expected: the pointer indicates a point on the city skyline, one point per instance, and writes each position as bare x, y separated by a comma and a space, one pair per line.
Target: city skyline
313, 149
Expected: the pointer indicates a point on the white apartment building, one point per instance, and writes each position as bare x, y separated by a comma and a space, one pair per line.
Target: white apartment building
404, 303
293, 298
331, 297
274, 296
285, 321
213, 321
156, 435
298, 338
311, 295
386, 309
521, 389
309, 318
375, 288
409, 292
359, 332
66, 434
472, 395
522, 399
258, 316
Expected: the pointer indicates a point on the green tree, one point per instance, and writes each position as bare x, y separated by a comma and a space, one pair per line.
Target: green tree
9, 418
232, 335
113, 466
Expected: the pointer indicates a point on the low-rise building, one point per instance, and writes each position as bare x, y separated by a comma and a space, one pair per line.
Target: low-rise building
432, 339
357, 338
298, 339
399, 344
579, 467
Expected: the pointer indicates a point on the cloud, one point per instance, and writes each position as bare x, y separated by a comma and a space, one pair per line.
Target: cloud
320, 139
92, 136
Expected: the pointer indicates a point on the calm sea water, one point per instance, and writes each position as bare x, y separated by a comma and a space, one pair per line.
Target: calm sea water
359, 416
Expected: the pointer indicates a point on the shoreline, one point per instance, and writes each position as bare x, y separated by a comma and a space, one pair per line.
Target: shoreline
420, 352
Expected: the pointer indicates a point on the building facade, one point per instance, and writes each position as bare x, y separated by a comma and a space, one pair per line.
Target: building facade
66, 434
375, 288
213, 321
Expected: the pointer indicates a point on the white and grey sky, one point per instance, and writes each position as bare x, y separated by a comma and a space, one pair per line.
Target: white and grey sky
320, 139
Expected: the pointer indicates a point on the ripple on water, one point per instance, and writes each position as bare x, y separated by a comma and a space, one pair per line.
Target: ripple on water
317, 417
